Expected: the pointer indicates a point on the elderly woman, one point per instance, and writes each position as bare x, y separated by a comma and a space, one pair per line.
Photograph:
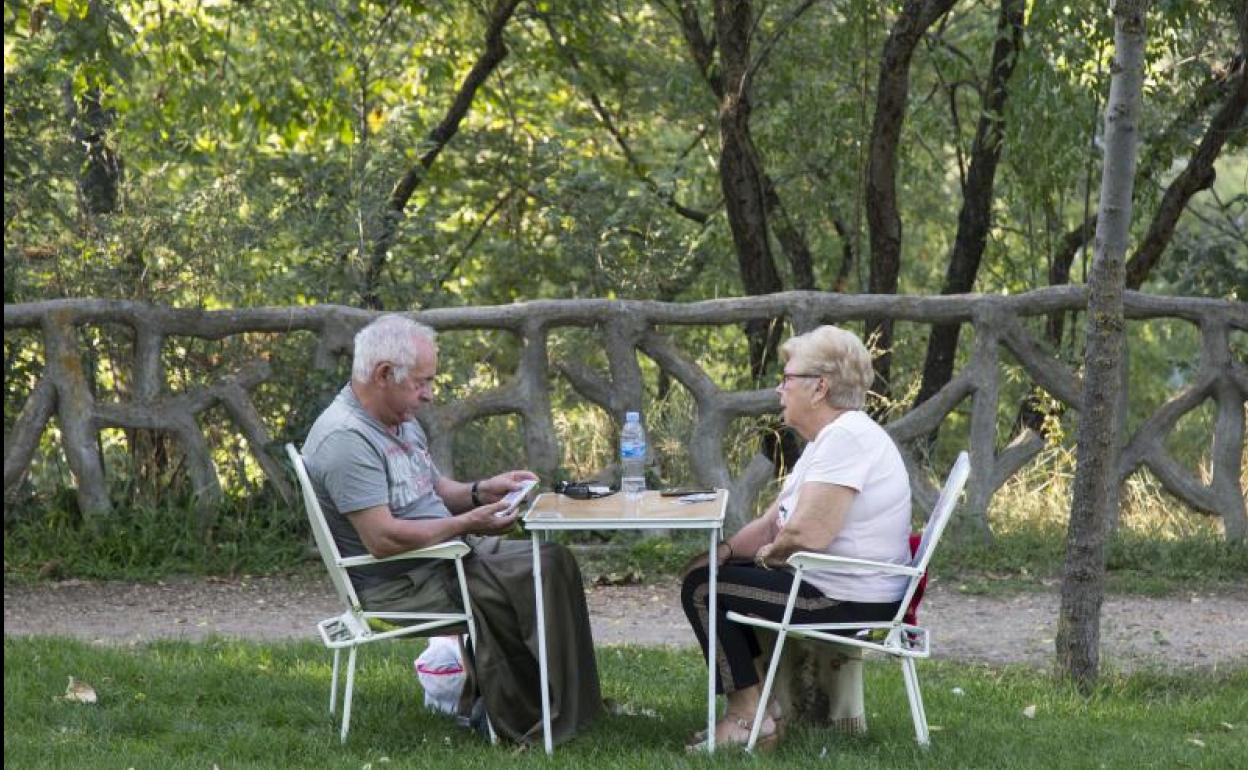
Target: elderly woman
847, 495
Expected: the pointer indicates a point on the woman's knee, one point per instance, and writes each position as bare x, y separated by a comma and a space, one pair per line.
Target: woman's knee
696, 579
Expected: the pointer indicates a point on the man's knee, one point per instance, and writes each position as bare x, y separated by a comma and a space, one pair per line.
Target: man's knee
557, 557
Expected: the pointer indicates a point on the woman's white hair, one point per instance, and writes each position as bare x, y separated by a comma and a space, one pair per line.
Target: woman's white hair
840, 356
388, 339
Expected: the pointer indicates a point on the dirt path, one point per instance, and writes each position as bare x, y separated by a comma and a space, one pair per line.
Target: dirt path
1195, 630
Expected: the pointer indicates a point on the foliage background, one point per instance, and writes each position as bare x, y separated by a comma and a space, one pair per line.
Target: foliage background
233, 154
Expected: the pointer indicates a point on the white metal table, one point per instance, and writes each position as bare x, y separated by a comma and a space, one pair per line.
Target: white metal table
552, 512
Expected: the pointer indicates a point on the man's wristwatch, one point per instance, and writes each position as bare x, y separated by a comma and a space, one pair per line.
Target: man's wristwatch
476, 494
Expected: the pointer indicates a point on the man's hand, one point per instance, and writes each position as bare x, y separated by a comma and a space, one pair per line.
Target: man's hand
495, 487
485, 521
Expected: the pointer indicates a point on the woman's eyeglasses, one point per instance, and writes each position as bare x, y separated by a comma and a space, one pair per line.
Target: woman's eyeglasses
786, 376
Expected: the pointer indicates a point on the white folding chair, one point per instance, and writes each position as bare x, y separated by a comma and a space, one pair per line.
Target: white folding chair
355, 626
900, 640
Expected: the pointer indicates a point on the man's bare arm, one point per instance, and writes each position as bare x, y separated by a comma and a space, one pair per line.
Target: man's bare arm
384, 535
457, 495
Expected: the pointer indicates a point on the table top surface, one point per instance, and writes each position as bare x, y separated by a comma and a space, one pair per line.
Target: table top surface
555, 511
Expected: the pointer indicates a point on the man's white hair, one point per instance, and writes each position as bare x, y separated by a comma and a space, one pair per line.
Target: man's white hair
388, 339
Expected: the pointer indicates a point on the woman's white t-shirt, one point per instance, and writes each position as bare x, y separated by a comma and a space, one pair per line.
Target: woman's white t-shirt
853, 451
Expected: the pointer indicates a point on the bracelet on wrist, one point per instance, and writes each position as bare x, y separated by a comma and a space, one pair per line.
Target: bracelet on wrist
476, 494
730, 551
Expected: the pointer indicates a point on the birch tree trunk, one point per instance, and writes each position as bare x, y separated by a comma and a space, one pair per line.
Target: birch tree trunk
1083, 578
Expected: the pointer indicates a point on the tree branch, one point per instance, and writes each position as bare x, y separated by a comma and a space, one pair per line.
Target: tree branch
489, 59
604, 115
883, 217
1197, 176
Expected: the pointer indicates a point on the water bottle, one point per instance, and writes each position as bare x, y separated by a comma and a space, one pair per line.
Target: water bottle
632, 457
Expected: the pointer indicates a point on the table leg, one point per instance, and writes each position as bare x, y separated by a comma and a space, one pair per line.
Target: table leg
541, 644
713, 565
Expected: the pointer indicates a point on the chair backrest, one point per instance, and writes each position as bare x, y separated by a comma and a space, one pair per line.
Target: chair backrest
945, 505
324, 538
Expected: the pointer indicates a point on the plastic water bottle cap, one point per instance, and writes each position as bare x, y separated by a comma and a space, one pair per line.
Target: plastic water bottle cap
632, 417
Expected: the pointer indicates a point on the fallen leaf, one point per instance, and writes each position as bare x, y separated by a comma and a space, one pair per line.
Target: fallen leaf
1030, 711
631, 577
80, 692
1227, 726
1196, 742
629, 710
958, 691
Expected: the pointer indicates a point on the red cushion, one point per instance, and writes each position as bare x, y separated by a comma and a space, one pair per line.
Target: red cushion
911, 615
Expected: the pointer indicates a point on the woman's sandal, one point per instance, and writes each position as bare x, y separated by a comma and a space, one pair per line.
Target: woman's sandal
767, 739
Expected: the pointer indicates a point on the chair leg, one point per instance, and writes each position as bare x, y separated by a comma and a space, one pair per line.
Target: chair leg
472, 632
768, 681
915, 696
346, 696
333, 685
472, 646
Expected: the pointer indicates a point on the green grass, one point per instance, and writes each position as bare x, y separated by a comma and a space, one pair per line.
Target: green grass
1030, 557
1159, 548
151, 542
1024, 558
248, 705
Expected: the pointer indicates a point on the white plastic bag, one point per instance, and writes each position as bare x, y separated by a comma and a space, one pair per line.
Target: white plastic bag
441, 673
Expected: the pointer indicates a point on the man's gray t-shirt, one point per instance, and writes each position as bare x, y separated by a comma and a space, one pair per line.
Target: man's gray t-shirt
355, 463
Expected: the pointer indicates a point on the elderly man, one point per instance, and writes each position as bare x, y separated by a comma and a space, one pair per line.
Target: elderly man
369, 462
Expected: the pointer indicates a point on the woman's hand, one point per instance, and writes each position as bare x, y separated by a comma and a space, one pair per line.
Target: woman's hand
762, 556
723, 552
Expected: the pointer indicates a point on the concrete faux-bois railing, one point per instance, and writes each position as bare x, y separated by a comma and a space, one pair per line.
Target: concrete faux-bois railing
625, 328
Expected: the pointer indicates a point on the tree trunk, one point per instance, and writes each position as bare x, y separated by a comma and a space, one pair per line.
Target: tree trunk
883, 218
741, 176
792, 240
99, 175
99, 172
1083, 577
976, 215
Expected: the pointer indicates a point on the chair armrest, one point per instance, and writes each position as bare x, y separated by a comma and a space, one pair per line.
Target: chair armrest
451, 549
808, 560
